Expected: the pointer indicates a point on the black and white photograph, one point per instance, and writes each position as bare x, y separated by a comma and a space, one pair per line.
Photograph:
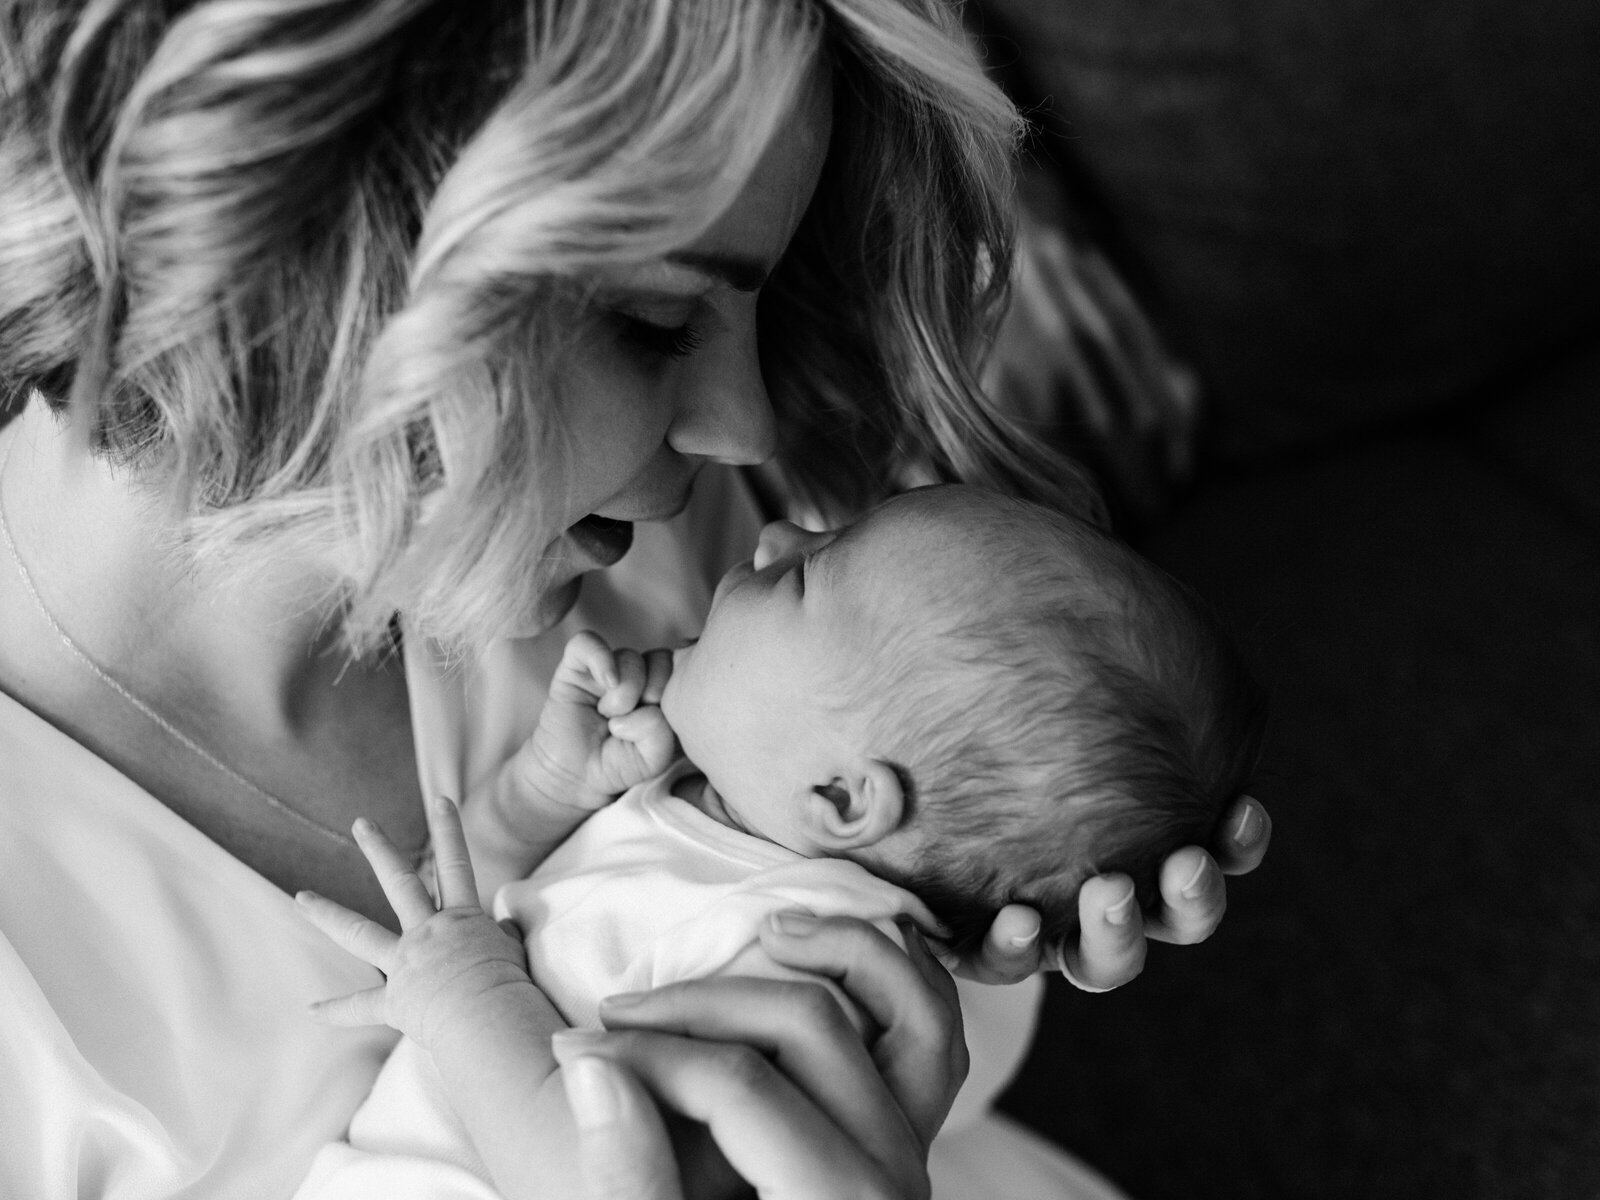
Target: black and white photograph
801, 599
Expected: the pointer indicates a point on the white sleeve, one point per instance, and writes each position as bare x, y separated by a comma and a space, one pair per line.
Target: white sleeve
405, 1143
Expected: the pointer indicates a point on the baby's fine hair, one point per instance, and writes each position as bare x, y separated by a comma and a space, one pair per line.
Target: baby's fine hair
1069, 709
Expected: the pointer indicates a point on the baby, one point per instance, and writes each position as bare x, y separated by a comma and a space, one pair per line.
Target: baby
960, 702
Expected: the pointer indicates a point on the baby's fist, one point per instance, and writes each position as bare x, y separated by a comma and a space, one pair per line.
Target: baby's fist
650, 738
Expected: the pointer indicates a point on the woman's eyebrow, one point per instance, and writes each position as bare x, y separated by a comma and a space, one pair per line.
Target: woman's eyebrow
739, 273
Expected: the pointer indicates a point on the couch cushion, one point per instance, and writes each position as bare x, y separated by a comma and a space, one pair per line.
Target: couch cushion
1404, 1001
1351, 208
1548, 442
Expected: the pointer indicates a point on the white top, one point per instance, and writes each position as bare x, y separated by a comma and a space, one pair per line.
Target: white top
651, 890
153, 1032
153, 1035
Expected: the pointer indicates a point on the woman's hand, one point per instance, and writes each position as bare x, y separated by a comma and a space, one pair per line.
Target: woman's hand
799, 1106
1114, 933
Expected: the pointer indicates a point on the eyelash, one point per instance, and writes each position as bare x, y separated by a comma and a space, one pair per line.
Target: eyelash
664, 341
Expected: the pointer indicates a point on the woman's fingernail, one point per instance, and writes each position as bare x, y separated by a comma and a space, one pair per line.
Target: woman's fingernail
575, 1041
1122, 911
1198, 881
1023, 940
362, 827
1249, 828
592, 1092
443, 803
794, 924
623, 1000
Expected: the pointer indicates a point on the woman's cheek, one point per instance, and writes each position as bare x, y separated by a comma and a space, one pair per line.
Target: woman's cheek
617, 423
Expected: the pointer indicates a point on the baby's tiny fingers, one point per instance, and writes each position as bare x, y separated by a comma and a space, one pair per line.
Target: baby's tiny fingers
358, 1008
452, 861
401, 886
367, 940
658, 669
649, 733
630, 685
586, 653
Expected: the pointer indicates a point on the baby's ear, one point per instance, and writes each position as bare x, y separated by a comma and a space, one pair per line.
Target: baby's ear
858, 809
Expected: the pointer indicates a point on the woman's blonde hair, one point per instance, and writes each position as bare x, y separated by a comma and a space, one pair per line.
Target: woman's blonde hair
313, 264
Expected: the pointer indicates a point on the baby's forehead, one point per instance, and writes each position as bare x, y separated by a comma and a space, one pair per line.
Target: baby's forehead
940, 529
938, 558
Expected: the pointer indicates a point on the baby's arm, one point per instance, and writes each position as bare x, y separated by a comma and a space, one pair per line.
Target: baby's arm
457, 985
601, 732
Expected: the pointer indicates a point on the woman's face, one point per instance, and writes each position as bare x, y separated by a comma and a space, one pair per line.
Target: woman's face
669, 378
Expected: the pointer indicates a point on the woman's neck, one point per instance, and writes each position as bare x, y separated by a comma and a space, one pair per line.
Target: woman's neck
101, 556
248, 673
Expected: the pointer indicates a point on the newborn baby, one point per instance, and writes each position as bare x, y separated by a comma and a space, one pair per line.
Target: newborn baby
964, 695
960, 702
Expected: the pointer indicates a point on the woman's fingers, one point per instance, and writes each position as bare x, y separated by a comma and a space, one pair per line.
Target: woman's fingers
1244, 834
1194, 897
401, 886
1010, 951
805, 1033
1111, 943
364, 938
922, 1052
452, 862
776, 1139
623, 1147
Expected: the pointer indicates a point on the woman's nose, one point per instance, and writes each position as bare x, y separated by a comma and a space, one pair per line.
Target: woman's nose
784, 540
724, 413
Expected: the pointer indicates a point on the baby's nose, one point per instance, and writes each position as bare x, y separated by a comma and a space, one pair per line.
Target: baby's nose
779, 540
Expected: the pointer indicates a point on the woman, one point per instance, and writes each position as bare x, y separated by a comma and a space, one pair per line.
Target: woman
329, 311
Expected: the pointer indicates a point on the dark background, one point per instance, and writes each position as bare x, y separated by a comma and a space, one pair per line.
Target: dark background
1371, 225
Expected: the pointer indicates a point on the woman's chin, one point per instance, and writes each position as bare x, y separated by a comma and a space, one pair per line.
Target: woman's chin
547, 612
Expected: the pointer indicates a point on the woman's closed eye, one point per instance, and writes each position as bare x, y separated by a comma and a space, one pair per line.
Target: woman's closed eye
663, 341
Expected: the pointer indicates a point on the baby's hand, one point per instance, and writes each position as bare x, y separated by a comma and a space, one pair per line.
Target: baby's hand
601, 730
448, 961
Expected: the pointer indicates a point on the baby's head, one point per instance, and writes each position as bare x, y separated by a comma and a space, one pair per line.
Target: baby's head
970, 695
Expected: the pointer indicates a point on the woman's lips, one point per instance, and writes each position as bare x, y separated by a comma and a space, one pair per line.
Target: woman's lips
602, 539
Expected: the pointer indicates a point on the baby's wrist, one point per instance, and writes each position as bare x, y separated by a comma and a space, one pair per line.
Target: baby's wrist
552, 789
482, 997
